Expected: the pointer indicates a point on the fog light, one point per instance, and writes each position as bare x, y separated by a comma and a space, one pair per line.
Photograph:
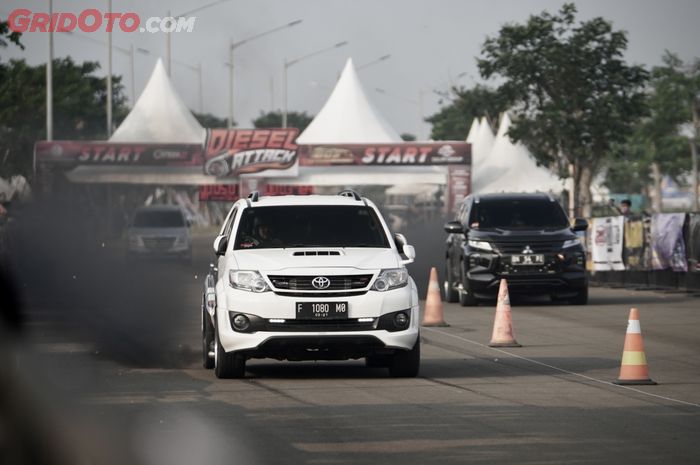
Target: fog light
401, 320
241, 322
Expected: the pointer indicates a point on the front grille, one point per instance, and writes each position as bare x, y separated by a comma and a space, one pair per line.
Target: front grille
158, 243
536, 247
315, 325
337, 283
320, 294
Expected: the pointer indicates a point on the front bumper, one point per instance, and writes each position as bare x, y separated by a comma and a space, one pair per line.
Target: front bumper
329, 340
562, 273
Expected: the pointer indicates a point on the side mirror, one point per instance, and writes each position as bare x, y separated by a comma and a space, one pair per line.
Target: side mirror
410, 253
220, 244
400, 241
454, 227
580, 224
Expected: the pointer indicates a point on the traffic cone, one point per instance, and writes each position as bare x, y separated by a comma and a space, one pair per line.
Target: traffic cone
433, 315
634, 369
503, 321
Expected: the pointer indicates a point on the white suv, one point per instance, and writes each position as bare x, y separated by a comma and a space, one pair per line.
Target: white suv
310, 278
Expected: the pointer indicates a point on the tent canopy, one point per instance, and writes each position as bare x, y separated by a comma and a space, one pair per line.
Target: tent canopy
159, 115
511, 168
348, 116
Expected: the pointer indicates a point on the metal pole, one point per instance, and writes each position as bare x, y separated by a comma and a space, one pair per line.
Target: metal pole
201, 92
49, 83
284, 87
230, 84
694, 153
109, 76
168, 49
420, 115
132, 60
272, 93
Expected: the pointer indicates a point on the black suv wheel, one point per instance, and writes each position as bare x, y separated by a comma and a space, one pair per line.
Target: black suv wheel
466, 298
450, 294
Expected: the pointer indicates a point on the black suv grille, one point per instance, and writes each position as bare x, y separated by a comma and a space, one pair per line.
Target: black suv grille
337, 283
536, 247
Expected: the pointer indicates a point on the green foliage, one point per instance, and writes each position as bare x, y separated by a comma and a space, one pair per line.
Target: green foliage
452, 122
6, 34
408, 137
207, 120
674, 87
273, 119
573, 95
79, 107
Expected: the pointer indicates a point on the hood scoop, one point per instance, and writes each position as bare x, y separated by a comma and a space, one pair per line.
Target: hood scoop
315, 253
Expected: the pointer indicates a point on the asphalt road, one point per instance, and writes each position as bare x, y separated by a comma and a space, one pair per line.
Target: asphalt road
109, 372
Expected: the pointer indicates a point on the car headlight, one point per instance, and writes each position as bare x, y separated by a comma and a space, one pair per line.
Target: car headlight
247, 281
181, 240
480, 245
392, 278
572, 243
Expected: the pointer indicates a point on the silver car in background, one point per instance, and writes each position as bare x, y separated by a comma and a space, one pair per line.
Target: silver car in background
159, 231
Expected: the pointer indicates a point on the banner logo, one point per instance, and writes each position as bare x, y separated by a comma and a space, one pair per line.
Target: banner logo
231, 152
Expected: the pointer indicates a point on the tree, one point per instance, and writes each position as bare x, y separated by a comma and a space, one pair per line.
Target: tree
573, 95
273, 119
12, 36
79, 107
408, 137
208, 120
657, 147
452, 122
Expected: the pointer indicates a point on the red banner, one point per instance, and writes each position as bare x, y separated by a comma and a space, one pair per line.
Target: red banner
230, 152
401, 154
458, 186
120, 154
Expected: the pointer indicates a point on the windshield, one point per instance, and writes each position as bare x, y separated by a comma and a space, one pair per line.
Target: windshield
159, 219
310, 226
517, 214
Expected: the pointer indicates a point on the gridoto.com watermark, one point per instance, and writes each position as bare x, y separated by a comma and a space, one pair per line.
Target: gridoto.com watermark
93, 20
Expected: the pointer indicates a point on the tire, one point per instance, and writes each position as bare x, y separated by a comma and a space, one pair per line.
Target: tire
227, 365
207, 340
450, 294
581, 298
466, 299
406, 363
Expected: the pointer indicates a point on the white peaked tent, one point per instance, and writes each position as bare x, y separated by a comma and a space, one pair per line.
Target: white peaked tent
348, 116
473, 131
482, 171
159, 115
511, 168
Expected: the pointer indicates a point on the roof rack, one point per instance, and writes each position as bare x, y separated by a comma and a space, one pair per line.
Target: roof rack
254, 196
350, 193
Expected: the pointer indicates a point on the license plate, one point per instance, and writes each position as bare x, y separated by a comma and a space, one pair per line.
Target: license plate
529, 259
322, 310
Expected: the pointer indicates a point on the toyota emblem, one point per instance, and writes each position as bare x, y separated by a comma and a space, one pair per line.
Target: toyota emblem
321, 282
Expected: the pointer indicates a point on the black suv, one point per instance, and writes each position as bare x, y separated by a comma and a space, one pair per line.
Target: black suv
524, 238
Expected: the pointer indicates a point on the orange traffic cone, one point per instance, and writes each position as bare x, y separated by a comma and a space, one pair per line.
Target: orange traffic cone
433, 315
634, 369
503, 321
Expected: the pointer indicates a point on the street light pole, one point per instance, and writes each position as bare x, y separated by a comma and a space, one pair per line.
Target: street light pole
109, 75
233, 45
288, 64
373, 62
49, 82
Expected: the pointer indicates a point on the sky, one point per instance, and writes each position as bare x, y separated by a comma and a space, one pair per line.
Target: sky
433, 45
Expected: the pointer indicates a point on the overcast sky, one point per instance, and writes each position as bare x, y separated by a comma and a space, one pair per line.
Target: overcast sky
431, 42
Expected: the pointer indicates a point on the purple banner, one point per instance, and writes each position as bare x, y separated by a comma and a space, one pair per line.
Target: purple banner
668, 247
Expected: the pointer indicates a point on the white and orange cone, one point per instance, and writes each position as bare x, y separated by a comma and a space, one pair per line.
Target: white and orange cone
502, 335
633, 368
433, 315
